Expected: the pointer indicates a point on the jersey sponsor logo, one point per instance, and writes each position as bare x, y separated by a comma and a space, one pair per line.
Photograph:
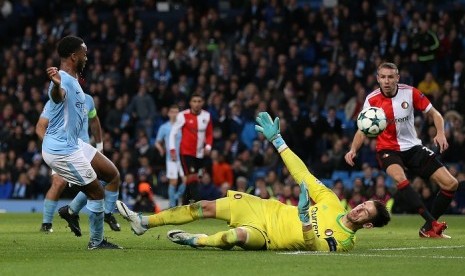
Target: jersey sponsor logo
404, 105
329, 232
402, 120
237, 196
315, 221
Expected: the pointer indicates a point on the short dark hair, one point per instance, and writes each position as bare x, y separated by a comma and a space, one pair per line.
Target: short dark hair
382, 214
195, 95
69, 45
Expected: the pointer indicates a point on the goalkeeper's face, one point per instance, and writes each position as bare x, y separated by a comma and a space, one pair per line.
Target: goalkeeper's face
362, 213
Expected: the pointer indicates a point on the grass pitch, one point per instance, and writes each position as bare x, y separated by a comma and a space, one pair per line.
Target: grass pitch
393, 250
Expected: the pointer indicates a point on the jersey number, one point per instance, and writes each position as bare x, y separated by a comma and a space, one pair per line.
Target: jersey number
430, 152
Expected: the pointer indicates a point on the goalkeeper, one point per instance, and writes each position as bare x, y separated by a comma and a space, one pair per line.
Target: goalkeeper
258, 224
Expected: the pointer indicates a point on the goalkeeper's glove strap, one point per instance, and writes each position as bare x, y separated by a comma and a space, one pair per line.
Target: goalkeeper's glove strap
279, 143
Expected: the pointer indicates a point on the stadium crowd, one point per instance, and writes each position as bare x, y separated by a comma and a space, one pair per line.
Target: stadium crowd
311, 66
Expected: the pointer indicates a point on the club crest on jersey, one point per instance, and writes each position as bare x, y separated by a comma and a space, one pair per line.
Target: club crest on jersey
89, 173
329, 232
237, 196
404, 105
386, 155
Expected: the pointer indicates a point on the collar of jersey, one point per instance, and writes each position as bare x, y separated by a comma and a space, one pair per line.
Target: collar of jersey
338, 220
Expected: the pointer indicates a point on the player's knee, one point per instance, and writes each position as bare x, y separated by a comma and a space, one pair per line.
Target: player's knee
451, 184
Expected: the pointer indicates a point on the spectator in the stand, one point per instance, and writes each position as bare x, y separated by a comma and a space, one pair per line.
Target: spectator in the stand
114, 119
429, 86
339, 190
287, 197
207, 189
142, 110
129, 190
6, 187
221, 170
22, 189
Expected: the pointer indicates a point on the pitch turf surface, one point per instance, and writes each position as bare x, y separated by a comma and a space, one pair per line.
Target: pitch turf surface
394, 250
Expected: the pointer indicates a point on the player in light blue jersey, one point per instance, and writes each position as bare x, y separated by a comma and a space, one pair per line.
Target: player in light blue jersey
173, 168
59, 184
62, 149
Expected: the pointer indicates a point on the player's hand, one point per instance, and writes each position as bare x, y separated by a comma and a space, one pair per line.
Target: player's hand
349, 157
173, 154
441, 141
207, 150
53, 75
304, 205
269, 128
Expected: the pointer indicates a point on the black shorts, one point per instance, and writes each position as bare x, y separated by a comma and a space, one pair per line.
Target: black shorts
191, 164
418, 160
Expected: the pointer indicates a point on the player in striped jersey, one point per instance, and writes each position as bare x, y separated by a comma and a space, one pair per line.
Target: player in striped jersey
196, 129
398, 146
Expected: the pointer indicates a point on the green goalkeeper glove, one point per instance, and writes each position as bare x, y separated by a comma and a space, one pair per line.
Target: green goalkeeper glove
270, 129
304, 205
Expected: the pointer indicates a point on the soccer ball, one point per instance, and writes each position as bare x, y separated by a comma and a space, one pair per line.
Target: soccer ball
371, 121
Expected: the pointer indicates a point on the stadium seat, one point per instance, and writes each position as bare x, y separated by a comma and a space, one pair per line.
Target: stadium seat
339, 174
356, 174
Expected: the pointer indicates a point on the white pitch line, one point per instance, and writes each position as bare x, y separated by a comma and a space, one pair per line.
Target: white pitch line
368, 255
415, 248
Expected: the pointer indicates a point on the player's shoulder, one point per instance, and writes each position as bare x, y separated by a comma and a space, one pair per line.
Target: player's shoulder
374, 94
205, 113
405, 87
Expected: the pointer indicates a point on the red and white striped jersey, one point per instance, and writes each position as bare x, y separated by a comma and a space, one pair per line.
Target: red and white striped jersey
196, 130
400, 133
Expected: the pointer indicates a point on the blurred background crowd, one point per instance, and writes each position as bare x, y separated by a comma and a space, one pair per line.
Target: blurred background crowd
310, 62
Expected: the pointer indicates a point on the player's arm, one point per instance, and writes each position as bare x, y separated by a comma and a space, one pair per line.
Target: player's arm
172, 136
158, 141
357, 142
96, 130
41, 127
57, 94
209, 137
314, 243
440, 138
294, 164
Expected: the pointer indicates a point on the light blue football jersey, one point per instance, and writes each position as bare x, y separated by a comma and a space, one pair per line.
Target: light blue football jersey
90, 106
164, 134
66, 119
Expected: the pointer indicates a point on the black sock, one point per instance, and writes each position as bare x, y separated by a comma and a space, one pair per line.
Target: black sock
441, 203
413, 198
191, 193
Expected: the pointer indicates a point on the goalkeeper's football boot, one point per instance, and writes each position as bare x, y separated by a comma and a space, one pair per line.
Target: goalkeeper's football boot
436, 231
184, 238
103, 245
46, 227
133, 217
111, 220
73, 220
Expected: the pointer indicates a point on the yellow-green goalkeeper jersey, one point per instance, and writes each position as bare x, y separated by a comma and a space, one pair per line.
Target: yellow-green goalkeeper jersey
285, 231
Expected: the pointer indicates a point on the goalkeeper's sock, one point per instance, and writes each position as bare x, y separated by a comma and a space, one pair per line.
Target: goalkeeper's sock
279, 143
175, 216
223, 239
